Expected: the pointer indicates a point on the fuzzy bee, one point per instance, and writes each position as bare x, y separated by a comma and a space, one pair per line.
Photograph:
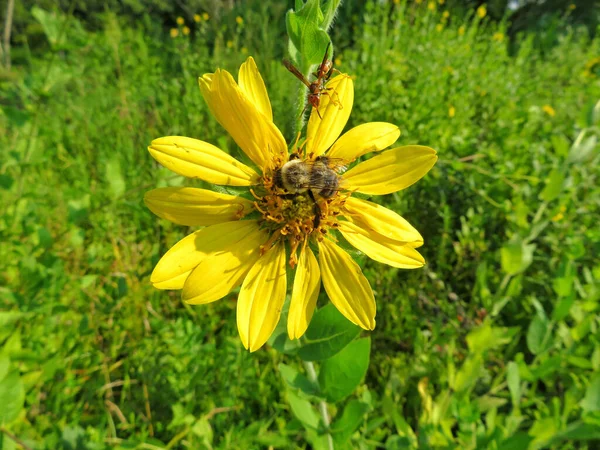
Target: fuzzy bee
320, 177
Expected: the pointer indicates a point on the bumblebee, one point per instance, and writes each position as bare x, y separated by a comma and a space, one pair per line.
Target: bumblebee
320, 177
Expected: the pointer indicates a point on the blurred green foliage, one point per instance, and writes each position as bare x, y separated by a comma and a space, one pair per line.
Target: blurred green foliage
493, 345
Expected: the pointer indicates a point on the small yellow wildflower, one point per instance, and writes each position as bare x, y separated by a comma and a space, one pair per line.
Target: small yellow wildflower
174, 32
396, 2
239, 20
180, 21
197, 18
419, 2
482, 11
498, 36
205, 16
572, 6
244, 50
232, 251
549, 110
591, 66
446, 14
431, 6
451, 111
186, 31
338, 61
461, 30
441, 2
229, 44
560, 215
439, 27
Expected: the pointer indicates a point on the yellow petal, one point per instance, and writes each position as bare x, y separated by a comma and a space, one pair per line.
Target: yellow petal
192, 206
346, 286
252, 84
255, 134
175, 266
225, 267
304, 293
261, 298
380, 248
197, 159
321, 133
363, 139
379, 219
391, 171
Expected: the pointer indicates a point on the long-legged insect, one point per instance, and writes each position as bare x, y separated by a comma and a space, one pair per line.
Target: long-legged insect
317, 87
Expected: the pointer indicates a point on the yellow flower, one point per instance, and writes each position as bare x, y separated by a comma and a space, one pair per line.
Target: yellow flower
549, 110
498, 36
197, 18
338, 61
451, 111
396, 2
572, 6
235, 249
205, 16
180, 21
439, 27
229, 44
482, 11
244, 50
431, 6
441, 2
239, 20
174, 32
446, 14
461, 30
186, 30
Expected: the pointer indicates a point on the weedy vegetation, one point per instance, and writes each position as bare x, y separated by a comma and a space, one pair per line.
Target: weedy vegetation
494, 344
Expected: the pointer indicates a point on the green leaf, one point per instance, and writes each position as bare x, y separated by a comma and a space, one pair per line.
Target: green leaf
538, 334
114, 176
297, 380
50, 23
516, 256
9, 318
554, 185
303, 411
329, 9
583, 148
342, 373
4, 365
328, 333
591, 400
486, 337
343, 428
513, 380
12, 397
469, 373
579, 431
309, 40
518, 441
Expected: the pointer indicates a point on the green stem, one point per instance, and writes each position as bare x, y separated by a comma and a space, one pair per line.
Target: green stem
312, 376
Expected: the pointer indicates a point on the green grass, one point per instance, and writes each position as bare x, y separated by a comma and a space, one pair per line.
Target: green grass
496, 338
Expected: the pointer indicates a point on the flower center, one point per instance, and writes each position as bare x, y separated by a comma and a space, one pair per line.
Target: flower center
298, 200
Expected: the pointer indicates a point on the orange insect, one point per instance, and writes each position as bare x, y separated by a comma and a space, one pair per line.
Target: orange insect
317, 87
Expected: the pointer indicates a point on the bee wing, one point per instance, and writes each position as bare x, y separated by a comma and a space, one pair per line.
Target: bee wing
338, 165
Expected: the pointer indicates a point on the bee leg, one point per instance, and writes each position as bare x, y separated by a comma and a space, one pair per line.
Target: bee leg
319, 114
316, 210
